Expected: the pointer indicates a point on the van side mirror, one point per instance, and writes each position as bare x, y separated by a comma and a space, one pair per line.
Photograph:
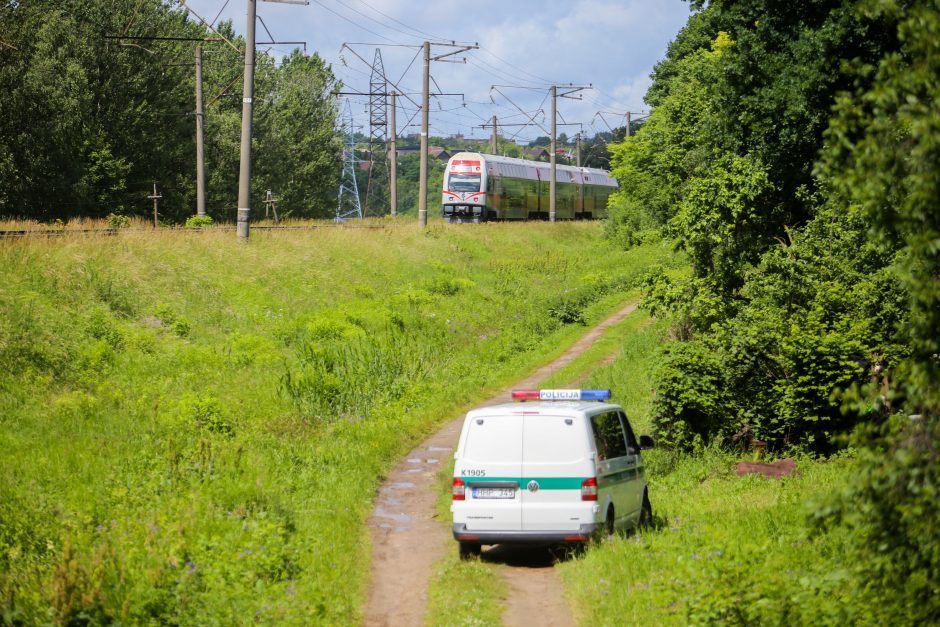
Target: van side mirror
646, 442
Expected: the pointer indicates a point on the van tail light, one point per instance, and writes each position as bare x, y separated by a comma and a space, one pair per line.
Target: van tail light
460, 490
588, 489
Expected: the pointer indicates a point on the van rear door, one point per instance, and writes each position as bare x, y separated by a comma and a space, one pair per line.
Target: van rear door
554, 463
490, 465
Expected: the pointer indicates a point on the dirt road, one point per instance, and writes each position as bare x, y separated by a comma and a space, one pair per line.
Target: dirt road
408, 540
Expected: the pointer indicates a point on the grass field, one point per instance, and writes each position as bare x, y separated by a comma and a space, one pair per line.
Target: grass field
192, 428
725, 550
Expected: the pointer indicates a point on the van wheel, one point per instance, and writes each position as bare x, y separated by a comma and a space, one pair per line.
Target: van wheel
467, 550
609, 524
646, 514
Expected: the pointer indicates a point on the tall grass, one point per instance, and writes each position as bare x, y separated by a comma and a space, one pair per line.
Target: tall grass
725, 550
192, 429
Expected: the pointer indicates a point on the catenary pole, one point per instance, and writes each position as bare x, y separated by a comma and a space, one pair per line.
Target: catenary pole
493, 137
244, 169
200, 146
423, 166
393, 161
551, 184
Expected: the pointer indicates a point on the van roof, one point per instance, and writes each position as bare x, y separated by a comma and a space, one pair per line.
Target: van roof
555, 408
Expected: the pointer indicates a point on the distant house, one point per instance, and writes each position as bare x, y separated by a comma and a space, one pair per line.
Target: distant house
439, 153
535, 154
434, 151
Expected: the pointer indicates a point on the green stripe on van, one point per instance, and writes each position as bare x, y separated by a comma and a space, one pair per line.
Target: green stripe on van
545, 483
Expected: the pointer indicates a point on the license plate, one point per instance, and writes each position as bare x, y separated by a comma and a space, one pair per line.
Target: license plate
494, 493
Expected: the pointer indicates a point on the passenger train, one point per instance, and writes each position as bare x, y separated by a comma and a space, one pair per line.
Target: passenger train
479, 187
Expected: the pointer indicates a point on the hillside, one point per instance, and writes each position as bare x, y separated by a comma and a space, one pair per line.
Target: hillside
194, 428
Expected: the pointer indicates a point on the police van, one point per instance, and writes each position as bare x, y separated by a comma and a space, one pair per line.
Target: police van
558, 470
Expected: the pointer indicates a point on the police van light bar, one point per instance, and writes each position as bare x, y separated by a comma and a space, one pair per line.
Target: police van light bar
561, 395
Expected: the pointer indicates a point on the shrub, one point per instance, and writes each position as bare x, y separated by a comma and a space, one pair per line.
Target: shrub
205, 412
448, 285
177, 323
116, 221
198, 222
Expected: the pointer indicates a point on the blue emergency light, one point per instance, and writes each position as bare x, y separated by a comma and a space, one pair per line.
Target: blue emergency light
561, 395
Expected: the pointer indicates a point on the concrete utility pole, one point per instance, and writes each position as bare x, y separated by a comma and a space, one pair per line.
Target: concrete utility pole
551, 185
567, 94
393, 161
628, 124
581, 185
248, 92
423, 163
426, 82
493, 138
200, 148
155, 198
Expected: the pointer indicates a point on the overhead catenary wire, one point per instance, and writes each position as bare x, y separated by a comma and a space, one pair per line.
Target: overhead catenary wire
353, 22
420, 32
384, 25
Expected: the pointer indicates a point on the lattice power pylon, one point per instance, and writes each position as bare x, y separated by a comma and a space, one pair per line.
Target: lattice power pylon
377, 187
348, 205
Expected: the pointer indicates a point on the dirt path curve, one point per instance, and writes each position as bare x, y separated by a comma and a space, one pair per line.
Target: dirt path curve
408, 540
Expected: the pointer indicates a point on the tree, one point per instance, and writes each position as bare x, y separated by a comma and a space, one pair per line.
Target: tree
788, 298
300, 154
88, 123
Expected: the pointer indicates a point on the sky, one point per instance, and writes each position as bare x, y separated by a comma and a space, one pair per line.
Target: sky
524, 47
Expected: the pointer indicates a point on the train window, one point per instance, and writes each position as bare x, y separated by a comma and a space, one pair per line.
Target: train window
463, 183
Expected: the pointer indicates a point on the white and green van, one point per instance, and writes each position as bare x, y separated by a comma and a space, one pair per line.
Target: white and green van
558, 470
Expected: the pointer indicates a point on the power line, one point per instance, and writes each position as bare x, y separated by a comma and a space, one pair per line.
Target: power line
353, 22
372, 19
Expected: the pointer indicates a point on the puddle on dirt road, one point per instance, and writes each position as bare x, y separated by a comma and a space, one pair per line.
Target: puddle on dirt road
400, 485
439, 449
380, 512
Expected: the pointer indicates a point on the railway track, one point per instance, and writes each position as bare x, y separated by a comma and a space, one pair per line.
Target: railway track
20, 233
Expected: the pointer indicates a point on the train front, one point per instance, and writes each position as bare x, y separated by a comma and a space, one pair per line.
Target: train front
464, 197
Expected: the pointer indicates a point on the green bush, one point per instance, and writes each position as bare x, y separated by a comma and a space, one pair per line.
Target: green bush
205, 412
177, 323
198, 222
116, 221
